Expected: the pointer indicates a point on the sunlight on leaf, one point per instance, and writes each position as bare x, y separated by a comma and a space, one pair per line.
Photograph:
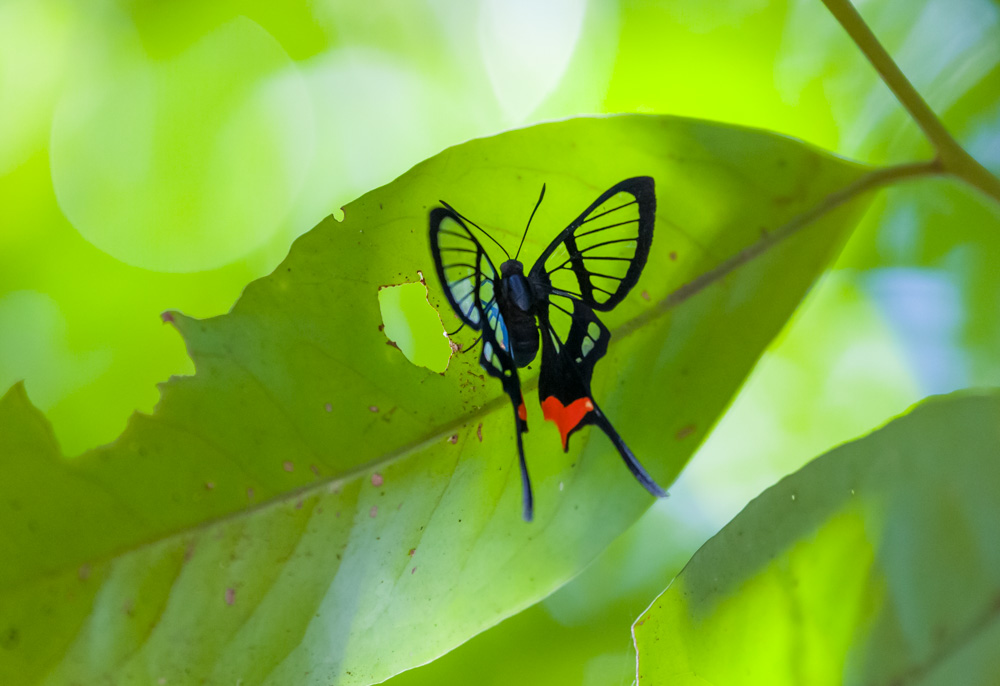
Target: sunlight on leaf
876, 563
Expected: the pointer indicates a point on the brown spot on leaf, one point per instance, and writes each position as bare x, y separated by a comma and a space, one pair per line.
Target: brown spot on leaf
453, 439
479, 432
373, 513
328, 407
314, 469
412, 550
684, 432
673, 256
209, 485
413, 570
230, 596
83, 573
373, 408
167, 317
377, 479
249, 494
10, 639
645, 295
288, 465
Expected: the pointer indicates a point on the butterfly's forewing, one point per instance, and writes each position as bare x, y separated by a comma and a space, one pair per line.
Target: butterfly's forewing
470, 281
463, 267
598, 258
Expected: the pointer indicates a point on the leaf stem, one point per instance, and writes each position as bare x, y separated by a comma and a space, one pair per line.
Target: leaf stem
954, 159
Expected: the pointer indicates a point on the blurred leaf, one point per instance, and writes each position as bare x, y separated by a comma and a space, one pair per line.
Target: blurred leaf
311, 507
877, 563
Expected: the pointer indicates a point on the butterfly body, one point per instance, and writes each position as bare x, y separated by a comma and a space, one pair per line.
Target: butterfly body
517, 302
590, 266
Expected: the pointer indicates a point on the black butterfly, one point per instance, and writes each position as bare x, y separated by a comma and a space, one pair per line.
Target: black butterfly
591, 265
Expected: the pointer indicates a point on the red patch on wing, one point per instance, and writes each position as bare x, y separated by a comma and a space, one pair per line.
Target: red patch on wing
566, 418
522, 411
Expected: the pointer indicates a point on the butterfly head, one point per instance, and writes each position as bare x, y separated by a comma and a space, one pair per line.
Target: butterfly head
511, 267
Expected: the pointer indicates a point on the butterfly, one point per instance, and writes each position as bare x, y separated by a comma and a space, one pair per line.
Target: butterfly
589, 267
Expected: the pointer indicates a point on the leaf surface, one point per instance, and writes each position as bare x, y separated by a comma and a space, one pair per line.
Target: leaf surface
877, 563
310, 507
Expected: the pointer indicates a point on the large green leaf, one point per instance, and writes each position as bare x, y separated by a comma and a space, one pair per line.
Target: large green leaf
310, 507
878, 563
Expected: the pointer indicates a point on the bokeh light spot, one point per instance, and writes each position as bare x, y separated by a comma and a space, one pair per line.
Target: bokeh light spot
188, 163
34, 349
527, 47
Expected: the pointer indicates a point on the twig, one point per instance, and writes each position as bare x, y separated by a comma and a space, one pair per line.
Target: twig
954, 159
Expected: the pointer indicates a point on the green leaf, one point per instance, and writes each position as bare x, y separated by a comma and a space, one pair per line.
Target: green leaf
311, 507
877, 563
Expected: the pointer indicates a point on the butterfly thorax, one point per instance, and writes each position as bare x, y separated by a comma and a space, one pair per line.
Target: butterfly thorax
517, 301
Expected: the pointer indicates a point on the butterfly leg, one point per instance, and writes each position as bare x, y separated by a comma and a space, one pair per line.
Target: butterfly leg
638, 471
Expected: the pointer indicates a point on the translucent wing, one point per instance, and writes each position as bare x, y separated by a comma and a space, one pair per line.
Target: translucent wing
598, 258
470, 281
465, 271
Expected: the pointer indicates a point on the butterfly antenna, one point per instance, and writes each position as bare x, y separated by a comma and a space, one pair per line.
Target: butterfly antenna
525, 234
475, 225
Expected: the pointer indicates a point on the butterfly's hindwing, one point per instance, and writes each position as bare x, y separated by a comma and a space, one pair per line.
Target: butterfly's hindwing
598, 258
573, 340
564, 381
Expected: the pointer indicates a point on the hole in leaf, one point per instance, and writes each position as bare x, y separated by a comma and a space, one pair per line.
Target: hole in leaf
414, 326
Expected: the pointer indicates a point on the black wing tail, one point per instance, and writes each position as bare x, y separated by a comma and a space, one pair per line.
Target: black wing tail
529, 500
638, 471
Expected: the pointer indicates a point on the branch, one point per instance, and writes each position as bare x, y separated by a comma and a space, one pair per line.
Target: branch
954, 158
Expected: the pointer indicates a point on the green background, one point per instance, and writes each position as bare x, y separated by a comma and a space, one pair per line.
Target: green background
161, 156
